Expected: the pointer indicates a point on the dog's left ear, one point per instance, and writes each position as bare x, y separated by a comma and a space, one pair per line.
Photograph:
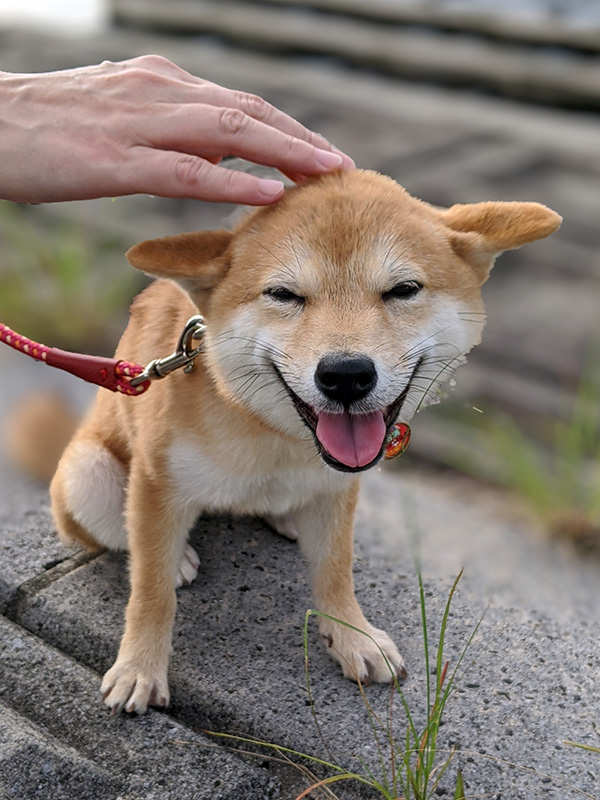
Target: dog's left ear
196, 261
481, 231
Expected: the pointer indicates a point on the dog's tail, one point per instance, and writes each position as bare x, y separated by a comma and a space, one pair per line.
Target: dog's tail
36, 433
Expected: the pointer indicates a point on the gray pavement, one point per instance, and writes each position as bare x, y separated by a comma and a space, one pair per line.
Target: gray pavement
55, 745
238, 664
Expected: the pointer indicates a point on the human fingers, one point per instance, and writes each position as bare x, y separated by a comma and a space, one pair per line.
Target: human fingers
254, 106
156, 76
173, 174
208, 131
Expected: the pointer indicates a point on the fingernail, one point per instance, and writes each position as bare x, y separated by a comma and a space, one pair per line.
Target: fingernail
270, 188
329, 160
349, 163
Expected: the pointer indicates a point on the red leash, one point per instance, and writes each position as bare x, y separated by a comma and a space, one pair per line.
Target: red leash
107, 372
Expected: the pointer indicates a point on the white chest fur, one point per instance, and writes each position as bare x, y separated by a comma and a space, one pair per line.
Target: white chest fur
258, 481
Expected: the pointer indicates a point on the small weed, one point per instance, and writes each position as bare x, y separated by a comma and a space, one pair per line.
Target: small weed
410, 767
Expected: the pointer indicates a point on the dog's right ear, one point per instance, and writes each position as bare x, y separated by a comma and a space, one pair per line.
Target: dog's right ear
196, 261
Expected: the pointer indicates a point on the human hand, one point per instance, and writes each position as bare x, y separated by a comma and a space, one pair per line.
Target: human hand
145, 126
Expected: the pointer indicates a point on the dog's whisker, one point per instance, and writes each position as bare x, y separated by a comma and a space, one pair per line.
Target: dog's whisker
256, 345
436, 333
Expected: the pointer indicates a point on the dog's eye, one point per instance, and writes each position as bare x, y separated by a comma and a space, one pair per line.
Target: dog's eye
403, 290
283, 295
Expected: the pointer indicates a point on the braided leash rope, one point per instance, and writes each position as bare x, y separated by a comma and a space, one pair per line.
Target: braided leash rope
110, 373
18, 342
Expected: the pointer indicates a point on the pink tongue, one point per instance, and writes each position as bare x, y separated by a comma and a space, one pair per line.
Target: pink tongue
352, 439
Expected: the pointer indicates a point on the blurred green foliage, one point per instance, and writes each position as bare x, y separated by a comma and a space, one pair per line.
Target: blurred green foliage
552, 464
62, 283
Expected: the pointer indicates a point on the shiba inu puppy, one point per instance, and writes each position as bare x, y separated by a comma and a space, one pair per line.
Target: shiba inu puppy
329, 315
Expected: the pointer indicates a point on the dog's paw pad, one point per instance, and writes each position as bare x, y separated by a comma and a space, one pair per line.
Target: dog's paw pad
132, 689
188, 567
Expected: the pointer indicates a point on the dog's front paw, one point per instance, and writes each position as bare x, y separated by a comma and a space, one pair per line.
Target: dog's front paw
365, 659
133, 687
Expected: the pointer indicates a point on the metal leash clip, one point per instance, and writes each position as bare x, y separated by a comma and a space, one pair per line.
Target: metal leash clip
183, 357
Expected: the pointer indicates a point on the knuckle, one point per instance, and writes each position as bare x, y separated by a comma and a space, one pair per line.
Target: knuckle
153, 60
292, 146
136, 77
189, 170
146, 70
229, 183
254, 106
233, 121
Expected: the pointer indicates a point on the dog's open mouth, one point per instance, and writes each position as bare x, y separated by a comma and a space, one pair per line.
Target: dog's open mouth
349, 442
354, 440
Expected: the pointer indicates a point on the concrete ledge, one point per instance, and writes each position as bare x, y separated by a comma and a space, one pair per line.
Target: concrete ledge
55, 745
238, 664
383, 44
536, 23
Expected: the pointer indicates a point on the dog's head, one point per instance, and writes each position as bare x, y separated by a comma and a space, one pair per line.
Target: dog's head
343, 306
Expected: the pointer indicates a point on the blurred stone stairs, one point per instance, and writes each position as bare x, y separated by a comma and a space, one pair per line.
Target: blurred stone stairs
541, 57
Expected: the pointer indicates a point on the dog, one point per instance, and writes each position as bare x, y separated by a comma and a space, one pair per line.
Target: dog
329, 316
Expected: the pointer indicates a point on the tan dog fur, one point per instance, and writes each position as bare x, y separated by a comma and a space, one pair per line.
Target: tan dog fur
227, 437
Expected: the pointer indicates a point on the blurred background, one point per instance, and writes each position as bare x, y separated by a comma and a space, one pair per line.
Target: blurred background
458, 100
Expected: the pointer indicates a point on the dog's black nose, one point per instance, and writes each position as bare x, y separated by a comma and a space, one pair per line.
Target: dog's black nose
345, 378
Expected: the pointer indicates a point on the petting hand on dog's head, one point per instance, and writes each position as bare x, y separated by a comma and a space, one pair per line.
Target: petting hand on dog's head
145, 126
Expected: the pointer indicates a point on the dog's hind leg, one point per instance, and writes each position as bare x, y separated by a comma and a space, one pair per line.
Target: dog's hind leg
188, 567
284, 525
88, 495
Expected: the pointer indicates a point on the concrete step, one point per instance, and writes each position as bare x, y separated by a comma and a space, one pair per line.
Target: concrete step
383, 44
54, 745
568, 24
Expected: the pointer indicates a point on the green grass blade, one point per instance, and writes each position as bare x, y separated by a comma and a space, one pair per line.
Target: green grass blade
425, 640
277, 747
389, 666
307, 616
589, 747
336, 778
373, 718
459, 792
